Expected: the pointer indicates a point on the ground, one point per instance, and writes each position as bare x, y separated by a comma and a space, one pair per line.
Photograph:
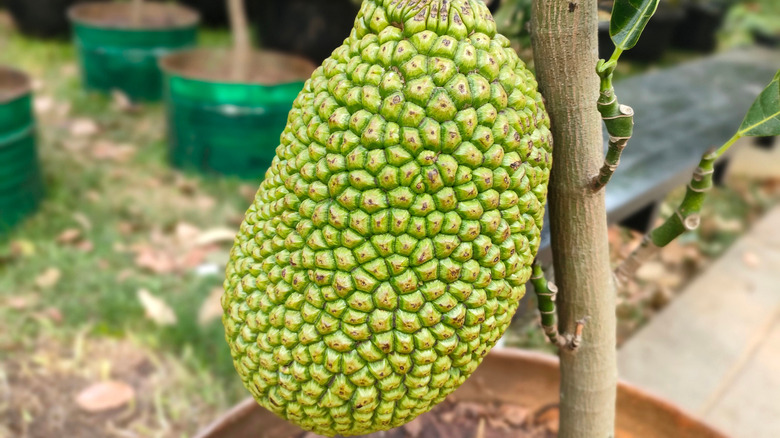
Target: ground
115, 281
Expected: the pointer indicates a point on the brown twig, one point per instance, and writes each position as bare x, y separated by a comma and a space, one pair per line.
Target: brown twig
136, 12
242, 45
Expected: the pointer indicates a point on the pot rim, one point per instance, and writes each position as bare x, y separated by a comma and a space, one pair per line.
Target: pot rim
169, 65
245, 407
186, 17
22, 86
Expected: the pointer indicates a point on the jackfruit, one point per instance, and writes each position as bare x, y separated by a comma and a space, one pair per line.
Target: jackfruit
390, 241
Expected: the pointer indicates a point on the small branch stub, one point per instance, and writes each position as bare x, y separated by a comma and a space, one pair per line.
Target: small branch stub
619, 121
546, 293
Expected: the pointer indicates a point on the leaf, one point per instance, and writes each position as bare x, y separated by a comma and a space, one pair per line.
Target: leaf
629, 18
763, 117
105, 396
69, 236
216, 235
155, 261
48, 278
211, 308
109, 151
83, 127
156, 309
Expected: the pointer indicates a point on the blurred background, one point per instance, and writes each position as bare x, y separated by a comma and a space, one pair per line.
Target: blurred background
132, 142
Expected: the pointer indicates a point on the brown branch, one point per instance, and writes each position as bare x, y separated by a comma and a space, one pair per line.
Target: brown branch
136, 12
242, 45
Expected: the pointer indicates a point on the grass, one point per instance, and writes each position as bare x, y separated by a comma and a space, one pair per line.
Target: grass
115, 205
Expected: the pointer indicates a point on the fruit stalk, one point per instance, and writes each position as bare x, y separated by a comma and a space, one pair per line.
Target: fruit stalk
242, 45
564, 36
619, 121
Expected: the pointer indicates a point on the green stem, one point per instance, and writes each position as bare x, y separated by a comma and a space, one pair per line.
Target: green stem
616, 55
685, 218
722, 150
618, 119
545, 297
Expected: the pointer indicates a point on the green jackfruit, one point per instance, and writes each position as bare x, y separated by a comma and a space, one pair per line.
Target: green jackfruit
390, 242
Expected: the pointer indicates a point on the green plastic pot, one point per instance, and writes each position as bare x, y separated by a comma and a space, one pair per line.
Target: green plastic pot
221, 126
116, 53
21, 185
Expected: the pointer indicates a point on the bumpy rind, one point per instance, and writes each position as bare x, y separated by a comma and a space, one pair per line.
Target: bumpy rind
390, 242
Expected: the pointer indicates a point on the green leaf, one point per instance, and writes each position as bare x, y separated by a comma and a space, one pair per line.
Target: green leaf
629, 18
763, 117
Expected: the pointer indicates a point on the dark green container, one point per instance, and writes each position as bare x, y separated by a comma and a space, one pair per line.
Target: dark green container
116, 53
216, 125
21, 185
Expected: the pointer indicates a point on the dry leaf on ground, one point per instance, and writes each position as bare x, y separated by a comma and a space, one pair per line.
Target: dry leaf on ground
105, 396
211, 308
22, 248
651, 271
48, 278
216, 235
110, 151
43, 104
69, 236
20, 303
83, 127
156, 308
154, 260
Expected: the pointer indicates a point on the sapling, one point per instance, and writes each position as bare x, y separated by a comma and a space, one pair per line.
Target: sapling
578, 90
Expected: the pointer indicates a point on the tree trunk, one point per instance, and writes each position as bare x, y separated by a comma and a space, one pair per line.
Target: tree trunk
136, 12
565, 42
242, 45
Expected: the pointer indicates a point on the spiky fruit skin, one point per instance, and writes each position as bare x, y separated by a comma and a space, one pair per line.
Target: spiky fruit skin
391, 240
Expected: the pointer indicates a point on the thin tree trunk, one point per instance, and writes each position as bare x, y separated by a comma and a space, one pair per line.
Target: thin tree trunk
242, 46
565, 45
136, 12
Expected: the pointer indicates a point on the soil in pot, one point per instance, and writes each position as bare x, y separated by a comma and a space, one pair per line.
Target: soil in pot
118, 52
42, 18
21, 187
219, 125
512, 385
656, 38
464, 419
310, 28
697, 31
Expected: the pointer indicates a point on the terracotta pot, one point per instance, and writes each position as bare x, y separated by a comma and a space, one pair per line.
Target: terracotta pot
508, 375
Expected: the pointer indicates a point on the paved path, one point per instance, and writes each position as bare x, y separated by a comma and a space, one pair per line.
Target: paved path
716, 349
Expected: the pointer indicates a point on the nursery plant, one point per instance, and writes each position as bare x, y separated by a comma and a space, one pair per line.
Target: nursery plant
392, 237
227, 107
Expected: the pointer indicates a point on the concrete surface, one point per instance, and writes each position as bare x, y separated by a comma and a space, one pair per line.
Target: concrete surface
716, 349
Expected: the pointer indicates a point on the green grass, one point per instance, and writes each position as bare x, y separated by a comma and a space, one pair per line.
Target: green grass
98, 288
